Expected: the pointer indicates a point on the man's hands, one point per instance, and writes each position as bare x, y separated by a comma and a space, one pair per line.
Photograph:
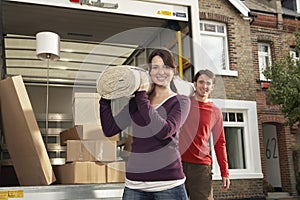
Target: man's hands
226, 183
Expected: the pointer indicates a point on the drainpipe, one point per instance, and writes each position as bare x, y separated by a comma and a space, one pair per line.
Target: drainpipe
279, 15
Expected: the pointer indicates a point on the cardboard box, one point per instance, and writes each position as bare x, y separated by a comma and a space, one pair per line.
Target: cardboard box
85, 132
115, 172
81, 173
69, 134
23, 137
91, 150
86, 108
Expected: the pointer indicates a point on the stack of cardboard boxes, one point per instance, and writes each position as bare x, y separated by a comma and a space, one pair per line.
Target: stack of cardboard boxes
91, 157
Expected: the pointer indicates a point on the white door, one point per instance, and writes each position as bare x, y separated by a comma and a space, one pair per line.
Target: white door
271, 155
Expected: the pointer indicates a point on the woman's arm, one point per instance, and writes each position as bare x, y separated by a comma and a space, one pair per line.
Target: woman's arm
177, 108
113, 125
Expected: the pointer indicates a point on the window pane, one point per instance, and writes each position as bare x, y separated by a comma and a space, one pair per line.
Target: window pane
63, 154
210, 27
220, 28
225, 119
294, 54
232, 117
214, 48
201, 26
52, 154
267, 62
262, 63
239, 117
235, 147
52, 139
264, 58
213, 40
263, 48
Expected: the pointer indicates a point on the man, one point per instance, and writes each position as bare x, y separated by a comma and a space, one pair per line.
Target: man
204, 120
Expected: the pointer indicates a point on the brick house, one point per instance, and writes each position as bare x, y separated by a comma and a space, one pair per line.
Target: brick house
254, 43
236, 75
272, 35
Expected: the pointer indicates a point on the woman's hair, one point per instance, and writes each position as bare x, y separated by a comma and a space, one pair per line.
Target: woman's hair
168, 59
165, 54
207, 72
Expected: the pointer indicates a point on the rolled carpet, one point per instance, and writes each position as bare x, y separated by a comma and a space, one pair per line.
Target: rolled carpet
120, 81
183, 87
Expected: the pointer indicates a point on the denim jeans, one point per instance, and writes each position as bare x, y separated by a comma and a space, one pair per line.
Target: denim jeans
177, 193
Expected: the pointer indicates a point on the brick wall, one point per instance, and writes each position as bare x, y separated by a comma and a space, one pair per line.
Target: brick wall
241, 59
240, 189
280, 42
242, 42
266, 21
240, 56
291, 24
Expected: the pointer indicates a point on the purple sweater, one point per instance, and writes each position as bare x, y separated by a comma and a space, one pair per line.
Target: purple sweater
154, 152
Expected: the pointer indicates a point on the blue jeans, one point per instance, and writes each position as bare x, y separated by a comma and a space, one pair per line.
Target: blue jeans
177, 193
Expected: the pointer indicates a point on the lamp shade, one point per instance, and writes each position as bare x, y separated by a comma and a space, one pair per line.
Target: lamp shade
47, 46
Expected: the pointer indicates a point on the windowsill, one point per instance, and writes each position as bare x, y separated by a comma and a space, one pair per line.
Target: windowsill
263, 80
227, 73
240, 175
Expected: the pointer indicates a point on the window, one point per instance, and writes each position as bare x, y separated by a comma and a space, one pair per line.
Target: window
298, 6
290, 4
293, 5
242, 139
213, 41
264, 58
294, 54
234, 134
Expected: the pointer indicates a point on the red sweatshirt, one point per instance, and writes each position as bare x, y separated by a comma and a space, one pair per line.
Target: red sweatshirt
203, 120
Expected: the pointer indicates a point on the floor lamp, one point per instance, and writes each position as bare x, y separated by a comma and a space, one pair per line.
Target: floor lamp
47, 48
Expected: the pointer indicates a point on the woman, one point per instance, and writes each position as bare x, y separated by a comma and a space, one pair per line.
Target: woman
153, 169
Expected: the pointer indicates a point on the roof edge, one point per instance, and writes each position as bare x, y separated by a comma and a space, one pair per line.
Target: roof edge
241, 7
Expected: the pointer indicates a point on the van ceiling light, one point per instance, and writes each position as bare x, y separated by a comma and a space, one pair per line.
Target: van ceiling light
47, 48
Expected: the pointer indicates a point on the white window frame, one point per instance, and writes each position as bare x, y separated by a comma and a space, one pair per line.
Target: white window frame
251, 140
264, 59
224, 69
298, 6
236, 124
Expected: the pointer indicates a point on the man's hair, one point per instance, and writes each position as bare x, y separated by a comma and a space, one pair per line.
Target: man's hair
207, 72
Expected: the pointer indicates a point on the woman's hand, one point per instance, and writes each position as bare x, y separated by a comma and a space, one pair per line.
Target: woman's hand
145, 82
